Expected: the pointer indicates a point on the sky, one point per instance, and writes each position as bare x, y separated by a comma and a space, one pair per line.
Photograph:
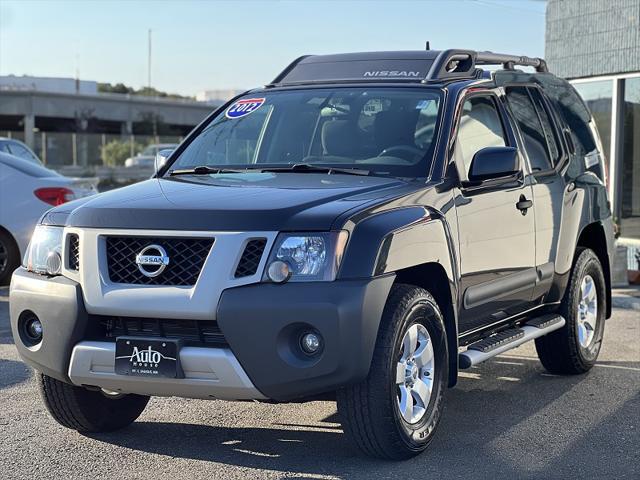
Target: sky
203, 45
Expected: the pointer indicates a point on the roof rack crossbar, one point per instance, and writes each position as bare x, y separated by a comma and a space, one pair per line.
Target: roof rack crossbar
510, 61
454, 63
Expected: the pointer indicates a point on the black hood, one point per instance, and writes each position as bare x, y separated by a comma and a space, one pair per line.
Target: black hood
227, 202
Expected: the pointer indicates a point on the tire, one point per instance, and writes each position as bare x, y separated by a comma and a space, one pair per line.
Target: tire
574, 348
371, 410
9, 257
88, 411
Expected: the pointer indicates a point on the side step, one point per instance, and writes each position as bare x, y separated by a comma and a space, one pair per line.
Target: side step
507, 339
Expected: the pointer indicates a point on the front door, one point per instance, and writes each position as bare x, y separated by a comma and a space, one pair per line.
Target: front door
496, 239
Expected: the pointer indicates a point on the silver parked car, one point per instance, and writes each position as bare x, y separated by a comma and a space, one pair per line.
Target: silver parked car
146, 158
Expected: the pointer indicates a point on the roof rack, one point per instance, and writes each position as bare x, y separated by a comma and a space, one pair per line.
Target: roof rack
452, 64
510, 61
422, 66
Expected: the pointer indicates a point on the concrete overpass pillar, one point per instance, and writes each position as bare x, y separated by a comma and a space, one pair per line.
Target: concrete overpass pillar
126, 128
29, 125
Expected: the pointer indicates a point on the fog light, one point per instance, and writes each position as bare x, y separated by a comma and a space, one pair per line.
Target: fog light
54, 263
34, 329
310, 343
279, 271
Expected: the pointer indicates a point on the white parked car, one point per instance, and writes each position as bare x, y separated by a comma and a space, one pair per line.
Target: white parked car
27, 190
147, 157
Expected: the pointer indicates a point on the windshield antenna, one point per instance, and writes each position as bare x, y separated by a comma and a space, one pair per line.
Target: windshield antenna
428, 46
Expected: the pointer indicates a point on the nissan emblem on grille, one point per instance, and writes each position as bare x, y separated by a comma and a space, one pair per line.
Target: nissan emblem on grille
152, 256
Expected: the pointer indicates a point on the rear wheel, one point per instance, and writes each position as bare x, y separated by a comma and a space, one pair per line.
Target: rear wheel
394, 412
88, 411
574, 348
9, 257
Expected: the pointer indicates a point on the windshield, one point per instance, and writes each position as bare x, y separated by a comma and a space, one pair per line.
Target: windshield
386, 131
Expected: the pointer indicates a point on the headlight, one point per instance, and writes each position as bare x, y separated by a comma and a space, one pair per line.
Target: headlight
44, 254
306, 257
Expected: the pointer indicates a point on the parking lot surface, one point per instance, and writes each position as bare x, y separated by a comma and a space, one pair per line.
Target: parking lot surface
506, 419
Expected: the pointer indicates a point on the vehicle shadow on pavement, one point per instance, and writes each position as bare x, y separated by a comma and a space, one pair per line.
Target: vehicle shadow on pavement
481, 435
13, 372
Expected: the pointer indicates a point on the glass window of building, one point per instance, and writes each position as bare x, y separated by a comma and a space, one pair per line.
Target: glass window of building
630, 170
597, 95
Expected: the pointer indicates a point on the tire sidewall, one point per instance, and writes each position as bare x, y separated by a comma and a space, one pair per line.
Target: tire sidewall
13, 257
422, 310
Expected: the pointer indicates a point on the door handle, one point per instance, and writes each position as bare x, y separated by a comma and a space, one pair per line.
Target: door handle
523, 204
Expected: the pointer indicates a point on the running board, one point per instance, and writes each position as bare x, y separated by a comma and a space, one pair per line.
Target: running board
508, 339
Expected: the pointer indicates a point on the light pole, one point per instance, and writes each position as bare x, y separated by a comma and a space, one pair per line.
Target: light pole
149, 64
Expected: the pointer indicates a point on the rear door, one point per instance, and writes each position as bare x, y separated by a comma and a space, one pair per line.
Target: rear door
497, 241
541, 142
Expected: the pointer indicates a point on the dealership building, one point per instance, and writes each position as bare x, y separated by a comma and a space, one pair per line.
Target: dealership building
596, 45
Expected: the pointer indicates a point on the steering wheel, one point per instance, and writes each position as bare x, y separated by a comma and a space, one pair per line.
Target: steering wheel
404, 151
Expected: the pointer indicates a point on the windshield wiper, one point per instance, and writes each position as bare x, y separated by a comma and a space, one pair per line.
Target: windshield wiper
307, 168
297, 168
204, 170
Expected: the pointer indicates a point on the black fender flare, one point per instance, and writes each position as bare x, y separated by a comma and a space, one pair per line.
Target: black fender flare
403, 238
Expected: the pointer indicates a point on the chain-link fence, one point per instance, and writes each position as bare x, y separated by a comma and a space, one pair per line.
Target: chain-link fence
65, 149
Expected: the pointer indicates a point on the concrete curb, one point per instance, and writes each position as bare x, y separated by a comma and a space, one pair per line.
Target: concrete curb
627, 298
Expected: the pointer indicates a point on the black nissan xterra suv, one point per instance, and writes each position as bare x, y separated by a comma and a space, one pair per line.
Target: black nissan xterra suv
367, 224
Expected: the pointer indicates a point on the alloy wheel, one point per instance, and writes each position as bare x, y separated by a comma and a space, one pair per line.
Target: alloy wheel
415, 373
587, 312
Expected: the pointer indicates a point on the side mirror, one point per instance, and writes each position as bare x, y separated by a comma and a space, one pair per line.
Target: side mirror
493, 163
161, 158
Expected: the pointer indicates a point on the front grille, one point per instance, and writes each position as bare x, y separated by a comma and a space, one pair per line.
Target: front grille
248, 264
186, 258
196, 333
74, 252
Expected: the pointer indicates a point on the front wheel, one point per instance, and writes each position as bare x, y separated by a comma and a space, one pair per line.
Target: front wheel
88, 411
394, 412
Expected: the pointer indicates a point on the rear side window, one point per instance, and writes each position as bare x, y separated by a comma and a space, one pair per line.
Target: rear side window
547, 125
531, 128
20, 151
479, 127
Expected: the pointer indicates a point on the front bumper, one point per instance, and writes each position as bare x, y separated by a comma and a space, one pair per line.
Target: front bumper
208, 373
261, 324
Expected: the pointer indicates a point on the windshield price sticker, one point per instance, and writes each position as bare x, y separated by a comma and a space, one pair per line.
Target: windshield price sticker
244, 107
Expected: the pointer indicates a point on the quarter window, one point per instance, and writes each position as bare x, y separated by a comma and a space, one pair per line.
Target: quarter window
479, 127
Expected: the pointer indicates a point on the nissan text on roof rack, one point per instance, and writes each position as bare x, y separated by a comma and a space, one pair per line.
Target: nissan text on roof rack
367, 225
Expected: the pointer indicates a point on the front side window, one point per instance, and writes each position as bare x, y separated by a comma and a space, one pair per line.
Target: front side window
387, 131
479, 127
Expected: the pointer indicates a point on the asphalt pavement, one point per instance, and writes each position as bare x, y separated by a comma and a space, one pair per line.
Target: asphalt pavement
506, 419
